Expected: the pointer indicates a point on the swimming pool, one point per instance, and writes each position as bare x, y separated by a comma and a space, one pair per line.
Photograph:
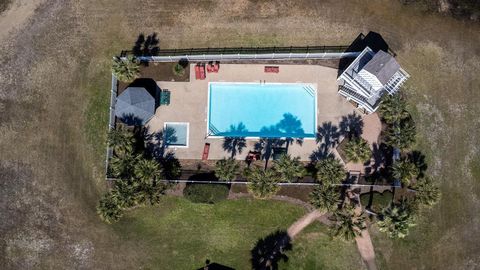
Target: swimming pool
271, 110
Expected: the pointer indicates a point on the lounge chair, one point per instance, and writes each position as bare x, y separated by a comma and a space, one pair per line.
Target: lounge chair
197, 72
206, 150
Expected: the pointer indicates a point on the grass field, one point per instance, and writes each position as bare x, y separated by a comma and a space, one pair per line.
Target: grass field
53, 113
182, 235
314, 249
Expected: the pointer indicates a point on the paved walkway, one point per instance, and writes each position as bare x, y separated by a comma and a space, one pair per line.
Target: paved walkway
372, 127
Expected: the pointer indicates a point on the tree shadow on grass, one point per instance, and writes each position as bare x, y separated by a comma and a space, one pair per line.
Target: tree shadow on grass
418, 158
269, 251
214, 266
146, 45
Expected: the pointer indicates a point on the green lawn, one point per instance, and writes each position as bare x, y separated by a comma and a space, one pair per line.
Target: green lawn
181, 235
315, 249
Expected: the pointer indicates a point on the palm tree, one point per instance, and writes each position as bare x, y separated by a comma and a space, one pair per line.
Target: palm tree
404, 170
427, 192
263, 183
325, 197
126, 70
348, 225
401, 135
147, 170
330, 171
396, 220
123, 167
108, 208
154, 192
226, 169
121, 141
289, 168
126, 193
393, 109
357, 150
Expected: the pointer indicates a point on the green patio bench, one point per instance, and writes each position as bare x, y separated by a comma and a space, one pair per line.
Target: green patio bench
165, 97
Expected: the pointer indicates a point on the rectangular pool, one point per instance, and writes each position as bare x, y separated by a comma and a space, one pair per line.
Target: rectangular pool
271, 110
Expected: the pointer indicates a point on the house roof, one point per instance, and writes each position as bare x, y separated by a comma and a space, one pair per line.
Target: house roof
383, 66
135, 106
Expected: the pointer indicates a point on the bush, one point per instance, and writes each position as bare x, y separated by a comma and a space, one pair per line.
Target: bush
379, 201
206, 193
178, 69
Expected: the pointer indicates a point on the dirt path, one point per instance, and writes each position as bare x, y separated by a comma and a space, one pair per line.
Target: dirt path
303, 222
365, 247
364, 242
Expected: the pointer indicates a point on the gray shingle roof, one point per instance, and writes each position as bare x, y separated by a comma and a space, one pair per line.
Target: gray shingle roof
383, 66
135, 106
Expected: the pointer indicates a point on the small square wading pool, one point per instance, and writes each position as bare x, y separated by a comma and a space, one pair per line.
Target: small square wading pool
268, 110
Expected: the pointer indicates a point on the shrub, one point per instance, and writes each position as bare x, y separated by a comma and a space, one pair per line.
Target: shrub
428, 193
178, 69
290, 169
357, 150
206, 193
263, 183
226, 169
325, 197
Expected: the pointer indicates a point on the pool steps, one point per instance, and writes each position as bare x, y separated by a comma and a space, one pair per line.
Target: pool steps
310, 90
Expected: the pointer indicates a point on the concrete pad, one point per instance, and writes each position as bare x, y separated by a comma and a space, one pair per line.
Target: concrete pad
188, 103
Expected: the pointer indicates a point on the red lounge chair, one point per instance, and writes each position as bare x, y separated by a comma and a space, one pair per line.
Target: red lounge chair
206, 149
202, 72
269, 69
197, 72
209, 68
216, 66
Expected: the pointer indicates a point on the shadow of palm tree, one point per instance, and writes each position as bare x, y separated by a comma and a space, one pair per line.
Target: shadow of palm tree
292, 127
269, 251
320, 153
234, 145
351, 125
156, 142
418, 158
146, 46
131, 120
214, 266
266, 145
328, 136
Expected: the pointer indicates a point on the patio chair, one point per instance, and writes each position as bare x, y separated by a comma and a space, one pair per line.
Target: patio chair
165, 97
206, 150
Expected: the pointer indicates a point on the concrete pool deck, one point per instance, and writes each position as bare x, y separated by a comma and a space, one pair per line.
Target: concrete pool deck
188, 103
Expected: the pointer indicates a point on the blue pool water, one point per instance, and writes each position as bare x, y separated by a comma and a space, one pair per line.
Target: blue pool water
262, 110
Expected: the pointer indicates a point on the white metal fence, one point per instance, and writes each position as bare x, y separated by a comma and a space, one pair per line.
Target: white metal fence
239, 56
